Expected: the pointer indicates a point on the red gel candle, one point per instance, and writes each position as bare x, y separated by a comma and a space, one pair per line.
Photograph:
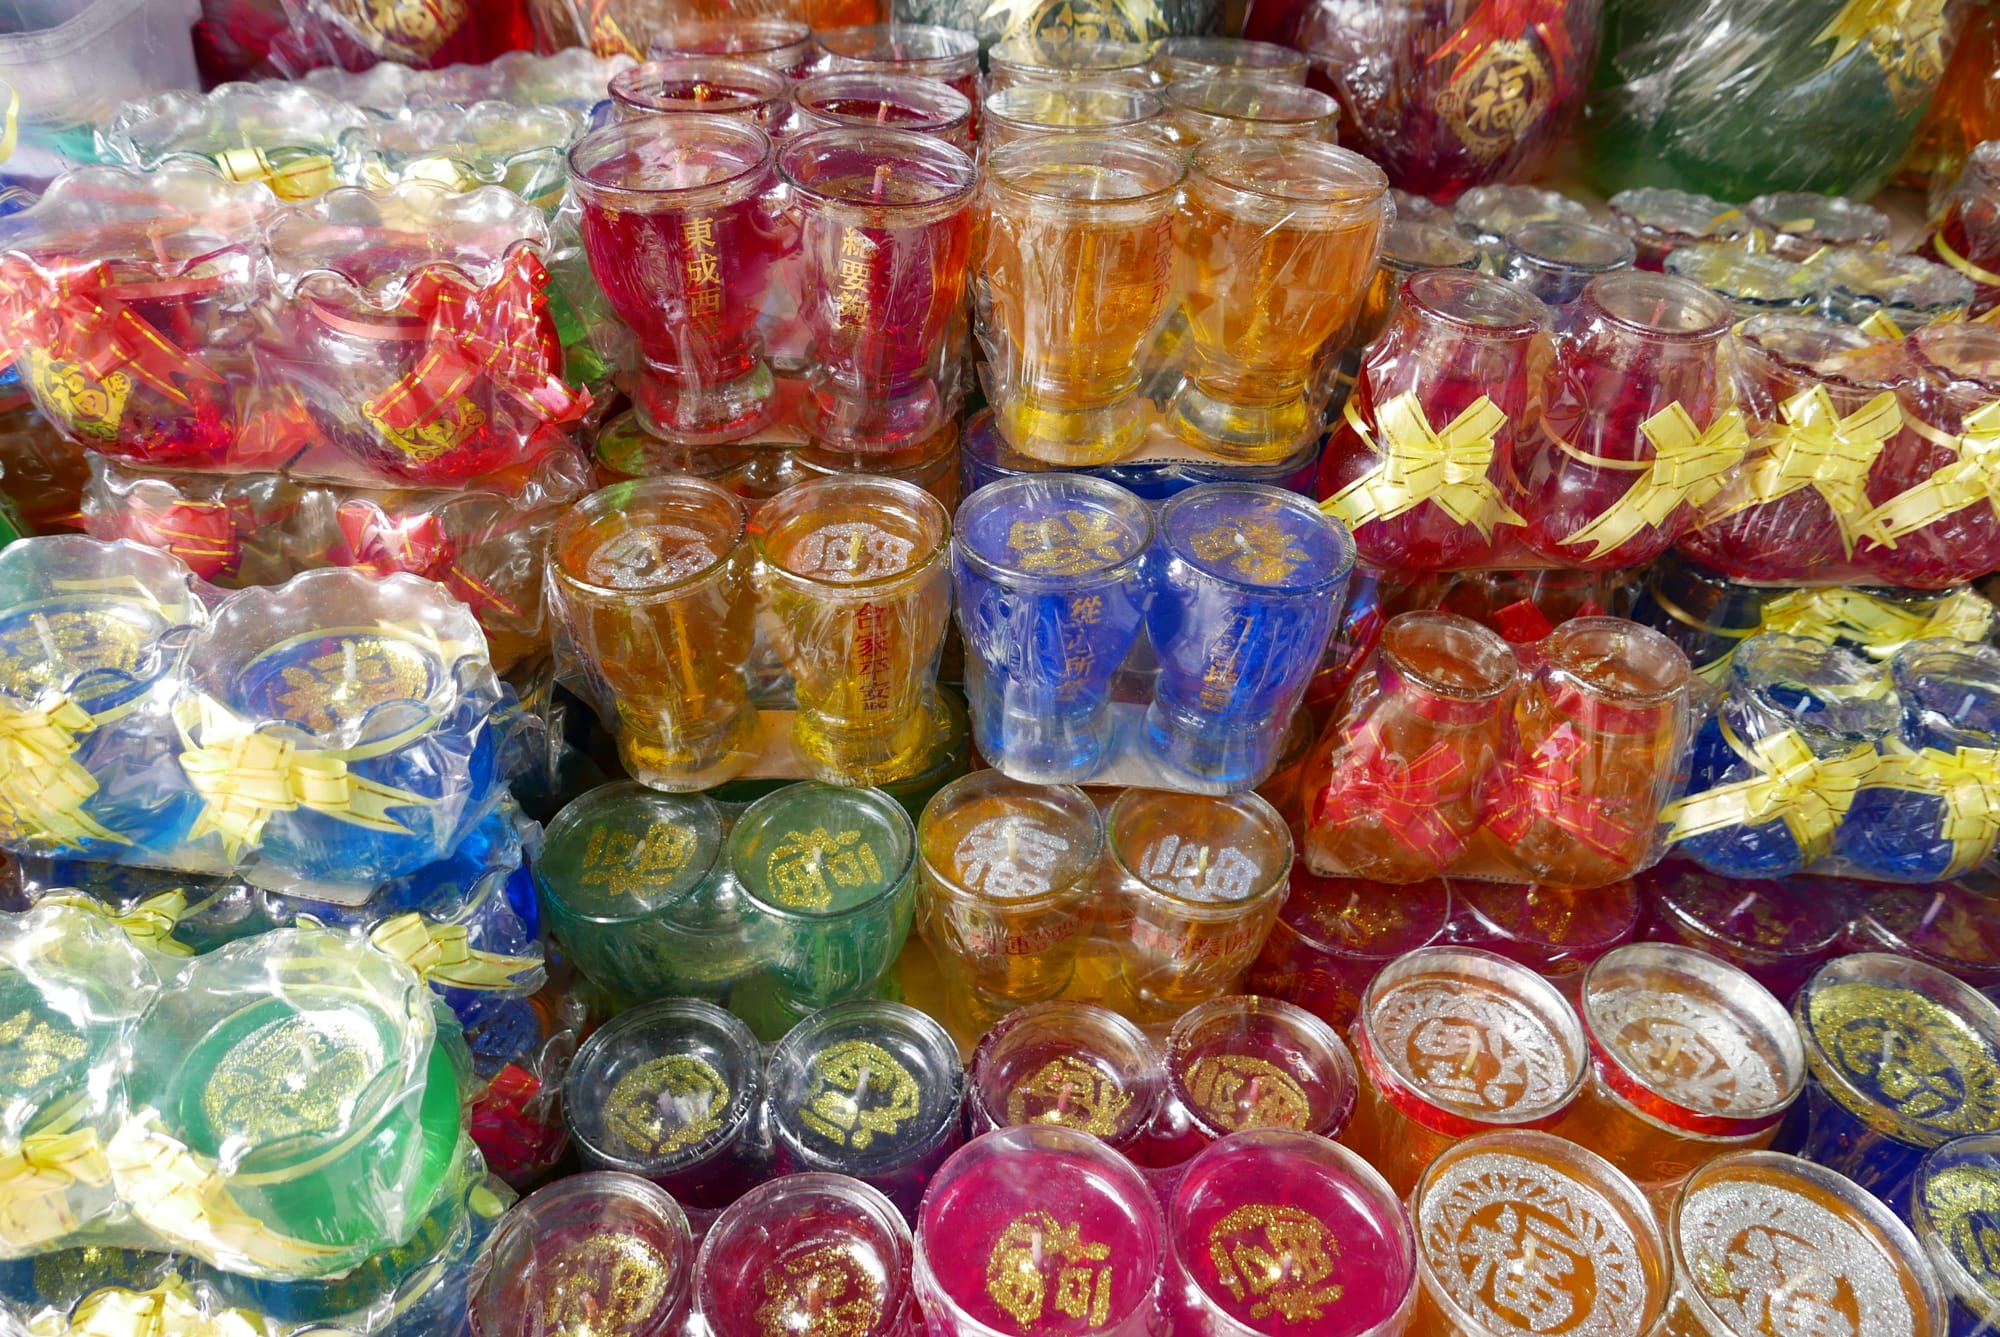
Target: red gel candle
807, 1254
1777, 932
1335, 933
1070, 1065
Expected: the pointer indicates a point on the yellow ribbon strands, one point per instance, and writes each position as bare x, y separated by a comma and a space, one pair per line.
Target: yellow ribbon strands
248, 778
1810, 794
1874, 625
1970, 479
1967, 779
1420, 464
1689, 467
35, 1180
442, 954
169, 1309
1817, 448
42, 785
299, 176
150, 924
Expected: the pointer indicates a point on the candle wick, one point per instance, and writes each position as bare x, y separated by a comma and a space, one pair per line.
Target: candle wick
882, 170
861, 1086
881, 118
1062, 1098
1742, 906
1672, 1055
1931, 914
349, 668
46, 635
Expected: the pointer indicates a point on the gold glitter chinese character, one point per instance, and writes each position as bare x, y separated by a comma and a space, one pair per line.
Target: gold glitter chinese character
667, 1105
801, 863
1920, 1057
1238, 1091
1069, 1092
860, 1092
1017, 1270
1257, 550
823, 1292
1278, 1258
606, 1285
625, 864
297, 1076
92, 408
32, 1051
340, 686
1496, 97
1066, 544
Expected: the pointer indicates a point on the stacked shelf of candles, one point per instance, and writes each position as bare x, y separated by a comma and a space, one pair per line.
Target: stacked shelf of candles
985, 687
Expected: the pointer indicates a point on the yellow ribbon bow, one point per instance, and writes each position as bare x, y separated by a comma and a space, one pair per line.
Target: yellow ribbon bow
1419, 464
35, 1180
42, 785
1810, 794
442, 954
1877, 626
248, 778
1815, 447
150, 924
1970, 479
299, 177
169, 1309
1688, 468
1968, 780
1906, 38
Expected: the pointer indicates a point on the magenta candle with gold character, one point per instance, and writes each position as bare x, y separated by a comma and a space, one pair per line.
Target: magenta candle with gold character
1040, 1232
680, 227
1067, 1064
1334, 934
813, 1254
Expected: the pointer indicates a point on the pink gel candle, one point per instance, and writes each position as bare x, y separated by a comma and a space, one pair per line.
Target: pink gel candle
807, 1254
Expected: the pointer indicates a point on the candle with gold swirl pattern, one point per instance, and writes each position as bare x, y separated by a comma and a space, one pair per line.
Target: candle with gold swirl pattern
1955, 1212
811, 1255
1068, 1065
594, 1255
1900, 1057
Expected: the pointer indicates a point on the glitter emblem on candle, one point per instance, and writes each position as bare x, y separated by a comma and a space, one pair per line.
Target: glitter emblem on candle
695, 1093
1067, 1064
859, 1090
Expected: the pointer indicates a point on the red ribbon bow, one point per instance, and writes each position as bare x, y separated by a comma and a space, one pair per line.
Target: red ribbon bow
1548, 785
384, 545
1511, 21
77, 317
514, 1139
207, 535
1370, 781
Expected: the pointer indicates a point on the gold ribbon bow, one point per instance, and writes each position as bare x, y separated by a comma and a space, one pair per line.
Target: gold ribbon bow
299, 176
169, 1309
1877, 626
1419, 464
1906, 38
150, 924
1817, 448
1810, 794
442, 954
1970, 479
1967, 780
1688, 468
247, 778
42, 785
35, 1181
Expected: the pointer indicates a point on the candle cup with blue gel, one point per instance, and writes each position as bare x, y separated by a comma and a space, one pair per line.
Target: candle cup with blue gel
1922, 816
1900, 1058
1955, 1212
1247, 585
89, 634
1051, 579
1777, 764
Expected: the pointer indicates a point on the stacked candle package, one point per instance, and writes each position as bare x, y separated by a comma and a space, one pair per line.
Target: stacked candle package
902, 668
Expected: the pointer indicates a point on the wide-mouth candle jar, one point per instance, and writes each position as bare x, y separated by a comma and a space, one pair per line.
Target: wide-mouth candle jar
1522, 1233
1282, 1234
651, 583
1408, 246
1554, 259
1069, 1065
670, 1092
1660, 221
680, 225
1858, 286
1333, 934
780, 44
1962, 232
1798, 224
128, 302
1755, 1229
1557, 932
1690, 1058
413, 325
338, 731
1488, 213
1754, 282
948, 56
809, 1253
462, 147
1219, 107
1027, 111
1900, 1057
739, 89
600, 1253
1778, 932
1454, 1042
280, 134
1954, 1210
1008, 872
1229, 57
1031, 59
1040, 1230
863, 99
869, 1090
92, 638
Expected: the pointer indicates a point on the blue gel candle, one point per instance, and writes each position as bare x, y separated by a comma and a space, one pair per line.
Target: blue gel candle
1955, 1212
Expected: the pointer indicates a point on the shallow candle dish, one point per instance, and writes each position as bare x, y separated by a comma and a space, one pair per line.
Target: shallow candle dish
462, 147
277, 133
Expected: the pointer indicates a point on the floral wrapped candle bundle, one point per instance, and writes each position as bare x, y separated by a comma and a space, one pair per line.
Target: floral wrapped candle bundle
282, 135
1453, 756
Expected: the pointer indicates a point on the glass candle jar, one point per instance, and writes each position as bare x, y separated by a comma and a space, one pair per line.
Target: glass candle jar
1310, 212
1900, 1058
1488, 213
599, 1252
680, 228
670, 1092
1966, 231
1071, 1065
1075, 272
1662, 221
830, 874
948, 56
1777, 932
1195, 883
1219, 107
1408, 245
780, 44
1247, 584
886, 234
1948, 925
1859, 286
1637, 429
1797, 224
1518, 1231
872, 1091
1040, 1230
857, 586
1755, 282
1454, 1042
1275, 1232
1690, 1058
887, 101
1051, 578
1393, 795
1933, 522
1556, 932
1334, 934
1952, 1209
1008, 871
1062, 59
805, 1253
1554, 260
1776, 766
742, 90
1084, 108
1430, 434
1228, 58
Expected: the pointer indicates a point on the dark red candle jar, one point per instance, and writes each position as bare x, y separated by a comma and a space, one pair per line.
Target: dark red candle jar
784, 45
1778, 932
1637, 432
1934, 524
1429, 437
680, 224
1819, 400
413, 325
1067, 1064
1554, 932
1040, 1232
811, 1254
1947, 925
916, 50
127, 304
1966, 235
708, 86
1335, 933
887, 101
600, 1253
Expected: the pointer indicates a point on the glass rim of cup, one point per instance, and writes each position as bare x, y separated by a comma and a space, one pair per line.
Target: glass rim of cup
811, 1185
1365, 184
1213, 51
1144, 104
1251, 804
1033, 55
807, 490
1001, 490
1961, 1286
777, 34
743, 1100
953, 46
973, 781
895, 149
564, 822
1305, 1028
949, 109
1103, 1021
892, 885
581, 514
1089, 150
788, 1062
634, 87
1292, 104
732, 188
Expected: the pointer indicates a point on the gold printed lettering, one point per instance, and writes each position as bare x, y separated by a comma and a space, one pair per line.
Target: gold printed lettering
1496, 97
